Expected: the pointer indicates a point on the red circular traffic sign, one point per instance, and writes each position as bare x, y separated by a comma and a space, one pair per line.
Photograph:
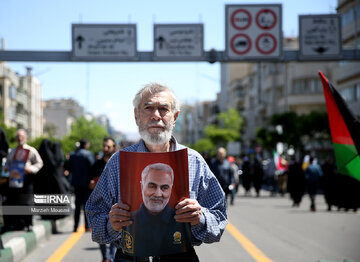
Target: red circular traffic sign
266, 19
266, 43
242, 45
241, 19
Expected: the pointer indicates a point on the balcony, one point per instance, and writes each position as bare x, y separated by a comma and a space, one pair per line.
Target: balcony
22, 98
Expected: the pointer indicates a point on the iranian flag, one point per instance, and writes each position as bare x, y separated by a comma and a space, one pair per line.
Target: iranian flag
345, 131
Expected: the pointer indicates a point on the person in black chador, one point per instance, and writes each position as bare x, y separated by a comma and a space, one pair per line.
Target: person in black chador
50, 179
4, 148
258, 175
155, 230
246, 174
296, 182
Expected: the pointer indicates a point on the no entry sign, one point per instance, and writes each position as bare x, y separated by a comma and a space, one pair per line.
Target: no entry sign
253, 32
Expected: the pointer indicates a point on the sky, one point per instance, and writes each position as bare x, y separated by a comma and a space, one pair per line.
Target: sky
109, 88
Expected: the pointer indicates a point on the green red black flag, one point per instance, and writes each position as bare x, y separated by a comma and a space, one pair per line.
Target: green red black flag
345, 131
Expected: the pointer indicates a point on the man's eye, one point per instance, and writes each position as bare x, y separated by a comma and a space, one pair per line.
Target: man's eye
163, 188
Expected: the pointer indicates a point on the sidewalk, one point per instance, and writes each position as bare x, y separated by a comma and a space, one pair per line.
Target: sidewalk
17, 244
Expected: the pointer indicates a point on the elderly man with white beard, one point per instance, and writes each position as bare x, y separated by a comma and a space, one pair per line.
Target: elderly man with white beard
156, 110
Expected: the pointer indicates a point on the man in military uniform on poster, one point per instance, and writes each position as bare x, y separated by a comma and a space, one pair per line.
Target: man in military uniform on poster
154, 228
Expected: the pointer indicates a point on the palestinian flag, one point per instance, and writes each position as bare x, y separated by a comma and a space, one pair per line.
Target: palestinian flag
345, 131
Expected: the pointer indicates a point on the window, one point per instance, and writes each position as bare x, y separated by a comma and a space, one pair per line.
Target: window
279, 91
347, 18
357, 10
306, 86
357, 91
12, 92
348, 94
315, 86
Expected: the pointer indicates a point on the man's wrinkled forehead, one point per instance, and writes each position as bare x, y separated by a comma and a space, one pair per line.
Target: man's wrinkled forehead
160, 98
165, 175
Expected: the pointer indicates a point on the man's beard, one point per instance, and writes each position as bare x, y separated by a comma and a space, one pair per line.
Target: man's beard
159, 138
155, 204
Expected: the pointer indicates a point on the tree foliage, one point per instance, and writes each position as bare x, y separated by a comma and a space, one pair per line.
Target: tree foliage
84, 129
295, 127
204, 145
226, 130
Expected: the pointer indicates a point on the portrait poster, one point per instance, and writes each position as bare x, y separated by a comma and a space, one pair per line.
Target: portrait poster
152, 192
17, 166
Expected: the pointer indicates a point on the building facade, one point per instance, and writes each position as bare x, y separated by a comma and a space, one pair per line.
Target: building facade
59, 115
20, 101
347, 74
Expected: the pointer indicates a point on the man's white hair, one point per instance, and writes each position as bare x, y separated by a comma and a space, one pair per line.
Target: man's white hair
154, 88
157, 166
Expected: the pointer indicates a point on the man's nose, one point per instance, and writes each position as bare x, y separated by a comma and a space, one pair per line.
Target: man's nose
158, 192
156, 115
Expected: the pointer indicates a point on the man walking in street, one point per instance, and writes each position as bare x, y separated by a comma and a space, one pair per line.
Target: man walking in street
156, 110
108, 149
224, 173
80, 163
23, 163
312, 174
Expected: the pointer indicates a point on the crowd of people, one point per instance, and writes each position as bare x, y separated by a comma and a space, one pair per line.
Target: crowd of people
279, 175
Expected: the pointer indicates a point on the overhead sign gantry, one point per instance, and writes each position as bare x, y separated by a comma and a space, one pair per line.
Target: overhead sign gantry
252, 33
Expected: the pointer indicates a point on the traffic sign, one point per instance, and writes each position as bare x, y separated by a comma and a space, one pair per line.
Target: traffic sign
266, 43
178, 42
103, 42
240, 44
253, 32
241, 19
320, 37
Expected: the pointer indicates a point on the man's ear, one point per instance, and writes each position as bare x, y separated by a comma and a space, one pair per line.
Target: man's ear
135, 113
176, 115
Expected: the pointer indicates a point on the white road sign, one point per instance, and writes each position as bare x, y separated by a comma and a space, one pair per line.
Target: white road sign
253, 32
104, 42
178, 41
320, 36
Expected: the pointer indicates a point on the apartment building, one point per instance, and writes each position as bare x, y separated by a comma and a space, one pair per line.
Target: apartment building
20, 101
347, 74
59, 115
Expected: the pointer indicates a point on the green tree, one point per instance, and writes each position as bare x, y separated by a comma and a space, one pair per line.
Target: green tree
84, 129
9, 131
204, 145
227, 130
313, 125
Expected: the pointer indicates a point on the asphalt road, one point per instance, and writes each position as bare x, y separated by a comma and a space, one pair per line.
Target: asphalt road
260, 229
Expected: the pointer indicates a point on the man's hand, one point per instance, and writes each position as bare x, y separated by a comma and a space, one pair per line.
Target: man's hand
92, 184
119, 216
188, 210
27, 170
